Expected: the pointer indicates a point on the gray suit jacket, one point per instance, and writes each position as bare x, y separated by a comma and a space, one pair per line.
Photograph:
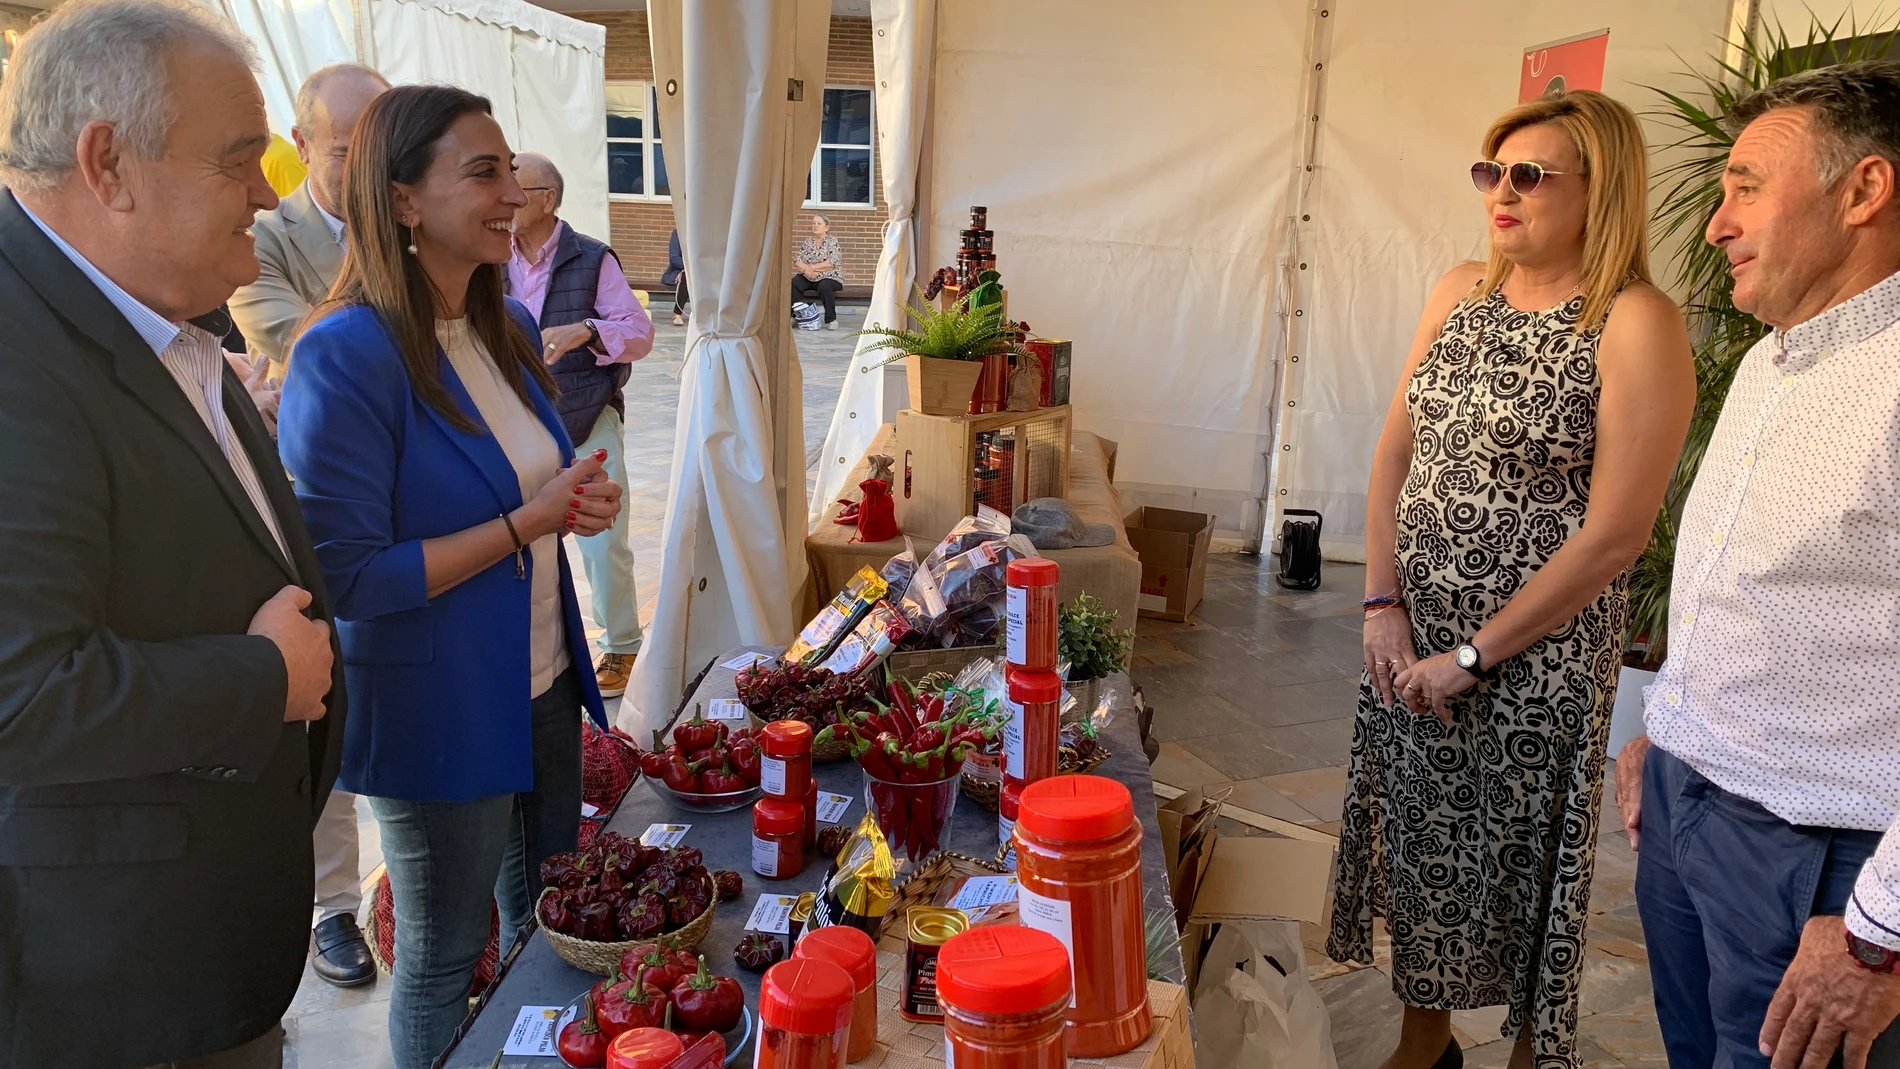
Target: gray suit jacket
298, 260
155, 810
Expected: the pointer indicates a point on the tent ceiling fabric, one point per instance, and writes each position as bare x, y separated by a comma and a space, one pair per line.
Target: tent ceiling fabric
732, 551
903, 33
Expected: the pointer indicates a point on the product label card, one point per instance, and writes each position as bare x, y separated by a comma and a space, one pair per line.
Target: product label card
980, 892
726, 709
746, 660
533, 1033
831, 807
772, 775
772, 914
1051, 915
589, 810
664, 835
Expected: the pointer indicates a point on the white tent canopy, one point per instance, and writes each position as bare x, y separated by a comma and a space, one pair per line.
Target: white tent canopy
543, 72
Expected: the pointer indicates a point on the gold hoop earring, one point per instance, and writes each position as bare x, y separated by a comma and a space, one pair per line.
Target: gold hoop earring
412, 240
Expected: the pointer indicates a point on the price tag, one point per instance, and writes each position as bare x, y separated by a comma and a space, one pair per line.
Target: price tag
772, 914
589, 811
727, 709
746, 660
533, 1033
664, 835
831, 807
981, 892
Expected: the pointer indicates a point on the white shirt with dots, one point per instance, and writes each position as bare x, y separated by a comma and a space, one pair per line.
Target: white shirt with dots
1782, 683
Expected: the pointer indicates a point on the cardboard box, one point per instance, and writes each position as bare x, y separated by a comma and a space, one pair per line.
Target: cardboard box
1172, 546
1215, 880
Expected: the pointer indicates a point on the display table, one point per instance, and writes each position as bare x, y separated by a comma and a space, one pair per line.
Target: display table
1112, 573
536, 976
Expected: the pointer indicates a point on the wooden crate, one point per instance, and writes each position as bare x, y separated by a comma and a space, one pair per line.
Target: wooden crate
936, 484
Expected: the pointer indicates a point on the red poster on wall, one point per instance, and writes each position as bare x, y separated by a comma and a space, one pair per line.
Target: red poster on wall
1572, 63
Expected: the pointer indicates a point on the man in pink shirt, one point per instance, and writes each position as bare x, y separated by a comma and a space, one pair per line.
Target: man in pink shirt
592, 327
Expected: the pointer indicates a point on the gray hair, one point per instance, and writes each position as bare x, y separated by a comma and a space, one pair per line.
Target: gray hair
99, 60
555, 180
1855, 108
310, 94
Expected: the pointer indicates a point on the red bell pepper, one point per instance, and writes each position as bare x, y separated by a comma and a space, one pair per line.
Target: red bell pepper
722, 780
699, 732
631, 1004
582, 1043
708, 1003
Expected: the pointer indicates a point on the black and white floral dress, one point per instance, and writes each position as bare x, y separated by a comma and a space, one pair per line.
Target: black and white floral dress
1476, 840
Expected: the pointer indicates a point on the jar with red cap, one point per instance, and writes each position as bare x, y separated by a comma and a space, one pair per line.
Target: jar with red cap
1032, 736
1029, 613
644, 1048
778, 838
1008, 804
851, 950
1004, 991
804, 1016
1078, 863
785, 759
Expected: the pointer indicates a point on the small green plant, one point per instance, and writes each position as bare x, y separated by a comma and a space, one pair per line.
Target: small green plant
961, 332
1088, 640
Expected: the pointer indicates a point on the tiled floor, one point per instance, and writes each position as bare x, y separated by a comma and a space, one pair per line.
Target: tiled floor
1257, 692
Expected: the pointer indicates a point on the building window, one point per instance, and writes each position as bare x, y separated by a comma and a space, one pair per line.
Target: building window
636, 165
841, 168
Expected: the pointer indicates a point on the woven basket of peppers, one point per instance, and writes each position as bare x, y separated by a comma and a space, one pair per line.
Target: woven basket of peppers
601, 901
1079, 753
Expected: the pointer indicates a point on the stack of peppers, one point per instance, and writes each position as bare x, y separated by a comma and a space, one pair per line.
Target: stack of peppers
913, 749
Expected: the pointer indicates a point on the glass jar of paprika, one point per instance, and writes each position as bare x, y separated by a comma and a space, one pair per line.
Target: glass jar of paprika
804, 1016
1008, 804
785, 759
778, 838
851, 950
1004, 992
1033, 736
1029, 613
1078, 860
644, 1048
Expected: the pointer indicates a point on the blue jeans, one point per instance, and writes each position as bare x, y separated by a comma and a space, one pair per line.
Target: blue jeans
449, 860
1724, 888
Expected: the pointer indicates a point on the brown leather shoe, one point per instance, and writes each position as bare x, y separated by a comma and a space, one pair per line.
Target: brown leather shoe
612, 673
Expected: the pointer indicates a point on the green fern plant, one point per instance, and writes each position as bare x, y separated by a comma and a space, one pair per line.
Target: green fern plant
1692, 191
961, 332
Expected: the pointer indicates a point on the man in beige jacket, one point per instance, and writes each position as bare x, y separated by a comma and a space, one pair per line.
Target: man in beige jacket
299, 253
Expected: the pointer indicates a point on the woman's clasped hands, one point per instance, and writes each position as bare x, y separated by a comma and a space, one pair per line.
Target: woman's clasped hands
580, 500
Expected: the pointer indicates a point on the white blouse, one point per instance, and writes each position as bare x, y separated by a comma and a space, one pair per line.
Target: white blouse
532, 451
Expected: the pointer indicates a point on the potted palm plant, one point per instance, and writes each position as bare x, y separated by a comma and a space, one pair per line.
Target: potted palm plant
943, 357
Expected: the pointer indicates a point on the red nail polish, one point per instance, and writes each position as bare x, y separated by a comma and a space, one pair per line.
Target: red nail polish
570, 518
574, 504
600, 454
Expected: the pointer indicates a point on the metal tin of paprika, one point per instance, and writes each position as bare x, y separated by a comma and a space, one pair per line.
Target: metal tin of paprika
927, 929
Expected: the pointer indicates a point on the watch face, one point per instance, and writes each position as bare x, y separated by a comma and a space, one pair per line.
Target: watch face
1467, 657
1871, 953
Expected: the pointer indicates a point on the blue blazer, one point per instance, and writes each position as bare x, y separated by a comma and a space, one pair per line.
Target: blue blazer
439, 702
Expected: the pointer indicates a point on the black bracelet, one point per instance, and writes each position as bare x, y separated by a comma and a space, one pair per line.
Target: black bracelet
521, 569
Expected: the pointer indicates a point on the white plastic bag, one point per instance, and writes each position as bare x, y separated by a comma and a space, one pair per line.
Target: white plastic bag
1252, 1016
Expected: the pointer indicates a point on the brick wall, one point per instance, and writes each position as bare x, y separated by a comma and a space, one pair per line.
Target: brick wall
640, 228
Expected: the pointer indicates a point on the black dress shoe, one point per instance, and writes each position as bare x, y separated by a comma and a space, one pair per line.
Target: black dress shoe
339, 953
1453, 1058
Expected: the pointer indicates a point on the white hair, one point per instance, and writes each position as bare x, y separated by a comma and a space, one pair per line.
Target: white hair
99, 60
310, 94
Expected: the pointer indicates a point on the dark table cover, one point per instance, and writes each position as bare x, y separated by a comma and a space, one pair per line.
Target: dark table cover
536, 975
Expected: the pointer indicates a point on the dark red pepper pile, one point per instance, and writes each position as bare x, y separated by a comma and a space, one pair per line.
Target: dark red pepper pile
617, 889
704, 758
814, 695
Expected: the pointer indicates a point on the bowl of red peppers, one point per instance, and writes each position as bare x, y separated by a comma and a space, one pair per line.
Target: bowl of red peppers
658, 988
707, 767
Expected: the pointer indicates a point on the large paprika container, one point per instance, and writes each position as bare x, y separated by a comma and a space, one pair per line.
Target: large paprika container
1004, 992
804, 1016
1078, 863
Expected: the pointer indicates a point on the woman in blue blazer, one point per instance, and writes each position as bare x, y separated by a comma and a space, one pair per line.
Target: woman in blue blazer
437, 482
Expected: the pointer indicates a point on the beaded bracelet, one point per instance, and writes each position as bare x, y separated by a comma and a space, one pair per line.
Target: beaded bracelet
1381, 601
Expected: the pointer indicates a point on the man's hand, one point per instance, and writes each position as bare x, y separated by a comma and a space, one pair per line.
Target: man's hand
1826, 1001
264, 394
1629, 785
557, 341
305, 645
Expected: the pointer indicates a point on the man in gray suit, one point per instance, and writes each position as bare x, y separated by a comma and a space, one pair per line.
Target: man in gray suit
171, 703
299, 252
300, 244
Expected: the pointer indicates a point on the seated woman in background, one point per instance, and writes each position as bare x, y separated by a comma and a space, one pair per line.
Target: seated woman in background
437, 482
820, 270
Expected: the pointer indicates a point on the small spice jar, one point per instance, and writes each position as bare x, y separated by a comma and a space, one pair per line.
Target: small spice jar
1032, 738
644, 1048
927, 929
1078, 863
785, 759
778, 838
852, 951
1004, 991
804, 1016
1029, 613
1008, 802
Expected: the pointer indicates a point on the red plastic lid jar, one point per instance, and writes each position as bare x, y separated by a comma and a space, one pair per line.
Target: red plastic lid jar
1034, 688
846, 947
1075, 809
1003, 969
1033, 571
644, 1048
806, 996
1031, 614
785, 738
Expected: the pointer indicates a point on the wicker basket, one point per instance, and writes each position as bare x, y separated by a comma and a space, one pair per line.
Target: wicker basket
837, 749
929, 878
601, 958
986, 793
916, 664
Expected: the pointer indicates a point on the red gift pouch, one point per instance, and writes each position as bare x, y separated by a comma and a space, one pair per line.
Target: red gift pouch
877, 515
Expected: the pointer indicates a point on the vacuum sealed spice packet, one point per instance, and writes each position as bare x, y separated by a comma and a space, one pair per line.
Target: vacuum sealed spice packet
835, 620
986, 525
862, 883
882, 630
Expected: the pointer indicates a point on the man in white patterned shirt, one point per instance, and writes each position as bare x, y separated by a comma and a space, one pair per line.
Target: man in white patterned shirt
1770, 897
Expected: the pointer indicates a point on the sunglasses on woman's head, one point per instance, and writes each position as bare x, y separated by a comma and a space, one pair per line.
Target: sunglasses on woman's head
1525, 177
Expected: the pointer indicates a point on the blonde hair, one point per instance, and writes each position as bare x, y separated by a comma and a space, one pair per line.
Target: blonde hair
1609, 142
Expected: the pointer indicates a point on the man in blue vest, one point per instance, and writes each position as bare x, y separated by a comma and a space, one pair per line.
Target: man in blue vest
592, 327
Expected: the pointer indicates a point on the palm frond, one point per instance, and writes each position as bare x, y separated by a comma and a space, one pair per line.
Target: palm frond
961, 332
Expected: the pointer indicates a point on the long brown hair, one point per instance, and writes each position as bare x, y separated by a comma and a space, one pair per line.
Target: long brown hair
1609, 141
395, 141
